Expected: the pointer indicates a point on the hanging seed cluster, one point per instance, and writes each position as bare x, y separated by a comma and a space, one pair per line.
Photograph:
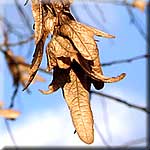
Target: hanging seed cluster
73, 56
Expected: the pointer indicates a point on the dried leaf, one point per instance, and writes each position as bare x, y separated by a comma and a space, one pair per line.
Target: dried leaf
19, 70
53, 61
93, 31
38, 18
51, 58
9, 113
60, 78
13, 66
76, 94
62, 47
63, 63
59, 51
44, 24
93, 69
82, 37
61, 4
38, 54
49, 22
44, 19
14, 70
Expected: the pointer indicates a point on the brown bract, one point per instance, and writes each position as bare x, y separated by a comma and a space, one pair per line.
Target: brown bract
76, 93
73, 55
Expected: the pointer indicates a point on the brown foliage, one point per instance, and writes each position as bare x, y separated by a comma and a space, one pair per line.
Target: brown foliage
19, 69
73, 55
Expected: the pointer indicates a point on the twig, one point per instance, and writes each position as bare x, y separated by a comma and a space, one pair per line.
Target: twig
18, 43
10, 132
23, 16
101, 136
129, 60
121, 101
135, 21
91, 15
100, 11
106, 118
116, 2
11, 28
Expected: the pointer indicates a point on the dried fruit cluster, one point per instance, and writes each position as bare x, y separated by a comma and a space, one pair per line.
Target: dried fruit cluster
73, 55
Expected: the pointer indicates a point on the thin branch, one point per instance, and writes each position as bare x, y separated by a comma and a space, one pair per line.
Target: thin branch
11, 28
23, 16
129, 60
121, 101
100, 11
116, 2
135, 21
91, 15
10, 132
106, 118
19, 42
101, 136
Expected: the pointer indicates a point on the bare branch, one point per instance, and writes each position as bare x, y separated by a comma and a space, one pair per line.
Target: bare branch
135, 21
18, 43
101, 136
121, 101
10, 132
128, 60
23, 16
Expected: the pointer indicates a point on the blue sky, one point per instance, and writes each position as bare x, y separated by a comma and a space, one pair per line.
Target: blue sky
45, 120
